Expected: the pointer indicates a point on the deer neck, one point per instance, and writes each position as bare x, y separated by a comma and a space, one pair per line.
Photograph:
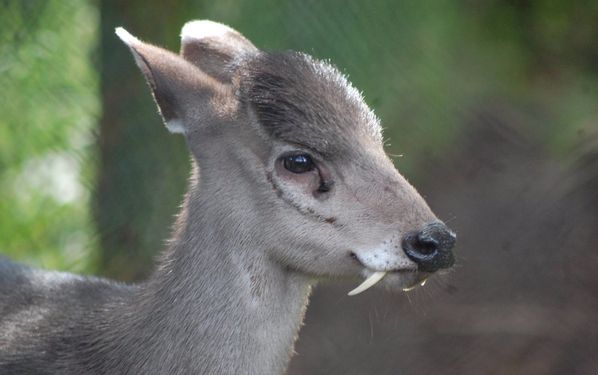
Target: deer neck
218, 300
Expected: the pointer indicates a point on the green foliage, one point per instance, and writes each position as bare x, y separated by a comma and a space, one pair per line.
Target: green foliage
49, 107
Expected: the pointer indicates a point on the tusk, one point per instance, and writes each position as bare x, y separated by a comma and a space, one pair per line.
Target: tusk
423, 282
408, 289
368, 283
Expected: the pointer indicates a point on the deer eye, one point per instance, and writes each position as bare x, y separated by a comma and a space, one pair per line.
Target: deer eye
299, 163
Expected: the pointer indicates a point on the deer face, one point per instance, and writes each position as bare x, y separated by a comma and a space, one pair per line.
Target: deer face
292, 136
342, 204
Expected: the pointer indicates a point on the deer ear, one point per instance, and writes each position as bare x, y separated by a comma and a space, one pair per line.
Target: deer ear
182, 92
214, 48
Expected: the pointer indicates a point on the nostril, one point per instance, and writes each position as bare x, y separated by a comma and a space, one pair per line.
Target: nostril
425, 246
445, 239
419, 248
431, 247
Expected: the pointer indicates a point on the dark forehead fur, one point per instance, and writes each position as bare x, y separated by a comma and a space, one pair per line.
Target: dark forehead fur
301, 100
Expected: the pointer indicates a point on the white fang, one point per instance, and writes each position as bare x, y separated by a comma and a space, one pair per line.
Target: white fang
368, 283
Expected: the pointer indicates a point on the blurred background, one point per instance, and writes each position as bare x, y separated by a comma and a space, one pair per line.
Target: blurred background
491, 108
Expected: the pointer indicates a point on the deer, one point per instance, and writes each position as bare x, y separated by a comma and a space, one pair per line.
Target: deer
290, 184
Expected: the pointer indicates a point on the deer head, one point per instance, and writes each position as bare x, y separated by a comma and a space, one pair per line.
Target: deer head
293, 158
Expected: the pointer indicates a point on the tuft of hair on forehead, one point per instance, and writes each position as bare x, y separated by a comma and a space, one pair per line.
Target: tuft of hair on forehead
308, 102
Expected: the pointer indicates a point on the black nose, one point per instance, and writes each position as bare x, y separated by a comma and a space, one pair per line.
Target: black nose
431, 248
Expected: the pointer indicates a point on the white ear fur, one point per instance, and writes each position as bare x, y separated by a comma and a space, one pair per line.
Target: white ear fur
125, 36
214, 48
175, 126
181, 89
200, 29
130, 41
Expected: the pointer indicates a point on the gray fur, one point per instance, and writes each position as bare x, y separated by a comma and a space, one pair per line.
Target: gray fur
230, 290
307, 102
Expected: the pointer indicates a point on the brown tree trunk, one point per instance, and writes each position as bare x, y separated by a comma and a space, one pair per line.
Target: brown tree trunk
143, 168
